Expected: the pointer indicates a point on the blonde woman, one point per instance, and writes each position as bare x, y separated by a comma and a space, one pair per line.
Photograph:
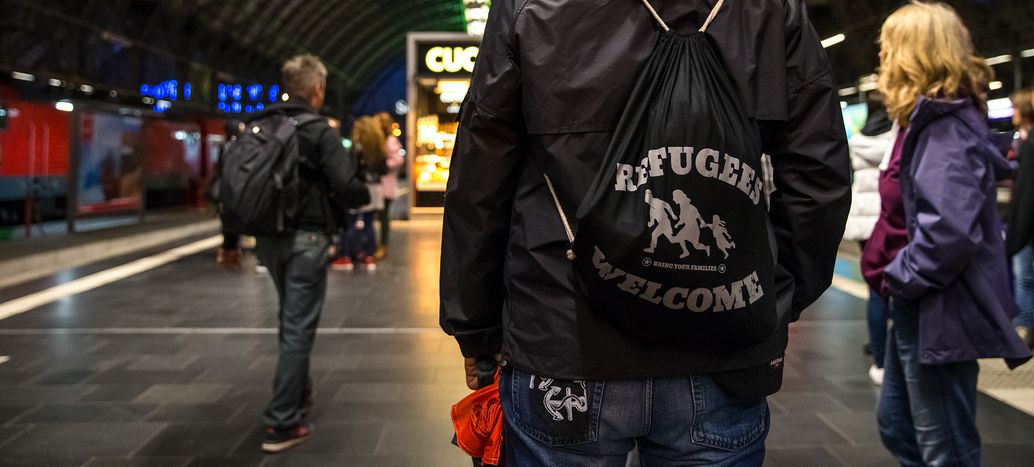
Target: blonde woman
358, 240
393, 160
948, 284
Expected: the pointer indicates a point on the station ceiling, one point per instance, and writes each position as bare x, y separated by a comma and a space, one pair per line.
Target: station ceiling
247, 39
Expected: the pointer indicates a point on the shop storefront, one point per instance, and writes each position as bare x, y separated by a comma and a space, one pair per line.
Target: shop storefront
439, 69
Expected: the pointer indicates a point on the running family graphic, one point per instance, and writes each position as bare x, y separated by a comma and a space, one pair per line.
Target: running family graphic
689, 272
691, 222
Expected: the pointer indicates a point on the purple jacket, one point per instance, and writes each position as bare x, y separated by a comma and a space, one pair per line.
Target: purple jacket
954, 264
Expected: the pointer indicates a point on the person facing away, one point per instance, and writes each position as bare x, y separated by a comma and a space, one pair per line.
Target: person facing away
1021, 220
298, 259
950, 302
868, 148
358, 240
394, 160
550, 84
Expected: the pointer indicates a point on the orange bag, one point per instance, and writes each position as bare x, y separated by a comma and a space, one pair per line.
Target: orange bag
478, 419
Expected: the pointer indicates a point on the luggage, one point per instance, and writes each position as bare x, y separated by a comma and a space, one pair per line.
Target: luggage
673, 237
258, 187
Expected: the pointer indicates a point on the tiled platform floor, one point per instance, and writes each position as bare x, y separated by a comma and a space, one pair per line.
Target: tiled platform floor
171, 368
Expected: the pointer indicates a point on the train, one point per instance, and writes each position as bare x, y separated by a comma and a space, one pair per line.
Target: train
84, 158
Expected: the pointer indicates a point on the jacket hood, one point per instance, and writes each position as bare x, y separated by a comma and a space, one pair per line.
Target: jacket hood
929, 110
867, 151
291, 106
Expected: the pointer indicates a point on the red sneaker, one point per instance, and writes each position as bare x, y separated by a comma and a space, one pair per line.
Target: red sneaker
370, 263
277, 440
342, 264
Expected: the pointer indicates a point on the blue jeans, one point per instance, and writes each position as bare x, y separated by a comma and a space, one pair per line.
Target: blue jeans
683, 420
926, 413
357, 243
876, 313
1023, 281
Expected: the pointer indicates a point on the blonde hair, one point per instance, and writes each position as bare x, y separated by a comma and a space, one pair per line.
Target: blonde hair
367, 133
925, 50
302, 73
385, 121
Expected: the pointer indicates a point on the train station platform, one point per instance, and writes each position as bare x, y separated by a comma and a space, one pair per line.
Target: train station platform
160, 358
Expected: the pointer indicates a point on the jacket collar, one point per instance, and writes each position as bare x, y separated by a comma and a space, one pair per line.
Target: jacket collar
291, 106
929, 110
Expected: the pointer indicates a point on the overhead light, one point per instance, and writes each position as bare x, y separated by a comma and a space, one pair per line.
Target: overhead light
22, 76
54, 82
1027, 53
867, 86
285, 97
64, 106
994, 85
113, 93
86, 88
998, 60
148, 100
847, 91
834, 40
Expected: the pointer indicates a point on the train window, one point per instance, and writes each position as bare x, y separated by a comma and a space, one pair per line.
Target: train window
3, 116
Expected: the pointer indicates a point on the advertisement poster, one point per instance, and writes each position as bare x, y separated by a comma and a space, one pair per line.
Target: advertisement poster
110, 163
854, 118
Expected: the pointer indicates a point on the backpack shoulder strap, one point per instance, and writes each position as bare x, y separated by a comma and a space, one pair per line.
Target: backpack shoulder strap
664, 26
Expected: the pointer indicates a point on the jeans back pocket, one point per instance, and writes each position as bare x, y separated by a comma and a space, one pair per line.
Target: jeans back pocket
722, 422
556, 412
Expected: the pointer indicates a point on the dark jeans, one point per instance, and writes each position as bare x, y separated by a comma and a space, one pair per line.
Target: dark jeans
1023, 279
355, 242
876, 314
298, 265
384, 216
926, 413
684, 420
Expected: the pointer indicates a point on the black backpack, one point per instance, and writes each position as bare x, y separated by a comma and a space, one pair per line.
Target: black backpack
673, 236
258, 188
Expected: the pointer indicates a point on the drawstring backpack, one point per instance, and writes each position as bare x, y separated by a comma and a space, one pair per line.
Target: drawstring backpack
673, 239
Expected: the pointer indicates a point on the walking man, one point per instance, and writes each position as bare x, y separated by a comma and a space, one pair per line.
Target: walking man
298, 259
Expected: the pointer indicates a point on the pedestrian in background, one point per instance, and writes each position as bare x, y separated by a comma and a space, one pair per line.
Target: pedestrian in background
1021, 218
868, 147
390, 181
358, 239
948, 285
298, 257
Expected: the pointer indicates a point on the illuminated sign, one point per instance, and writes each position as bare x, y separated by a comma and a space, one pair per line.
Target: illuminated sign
237, 98
457, 59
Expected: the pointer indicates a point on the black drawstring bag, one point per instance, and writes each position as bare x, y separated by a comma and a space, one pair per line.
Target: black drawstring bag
673, 242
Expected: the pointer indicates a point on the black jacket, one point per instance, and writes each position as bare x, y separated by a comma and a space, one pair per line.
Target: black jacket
550, 83
329, 174
1021, 219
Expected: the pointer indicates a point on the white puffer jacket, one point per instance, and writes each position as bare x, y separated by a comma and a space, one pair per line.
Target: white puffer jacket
866, 154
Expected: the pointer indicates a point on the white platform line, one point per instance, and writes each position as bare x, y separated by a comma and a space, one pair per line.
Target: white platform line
92, 281
4, 359
208, 331
853, 287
